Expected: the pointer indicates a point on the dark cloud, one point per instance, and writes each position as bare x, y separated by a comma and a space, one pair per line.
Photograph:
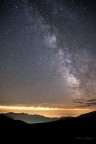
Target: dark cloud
85, 102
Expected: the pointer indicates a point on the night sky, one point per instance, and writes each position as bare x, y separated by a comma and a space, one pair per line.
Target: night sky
48, 53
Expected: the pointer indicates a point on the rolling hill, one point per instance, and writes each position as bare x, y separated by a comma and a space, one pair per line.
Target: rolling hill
81, 129
29, 118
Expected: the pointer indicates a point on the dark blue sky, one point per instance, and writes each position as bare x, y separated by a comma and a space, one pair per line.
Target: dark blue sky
47, 52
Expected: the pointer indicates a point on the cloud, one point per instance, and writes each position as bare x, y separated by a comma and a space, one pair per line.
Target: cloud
85, 102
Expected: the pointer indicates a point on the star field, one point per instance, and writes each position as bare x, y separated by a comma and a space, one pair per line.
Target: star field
47, 52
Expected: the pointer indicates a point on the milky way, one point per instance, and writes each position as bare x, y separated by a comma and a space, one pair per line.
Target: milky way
47, 52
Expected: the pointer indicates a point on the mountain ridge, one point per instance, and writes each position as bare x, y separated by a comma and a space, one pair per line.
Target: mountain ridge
77, 130
28, 118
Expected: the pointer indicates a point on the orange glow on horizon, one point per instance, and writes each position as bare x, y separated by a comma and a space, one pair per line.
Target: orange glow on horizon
39, 108
45, 111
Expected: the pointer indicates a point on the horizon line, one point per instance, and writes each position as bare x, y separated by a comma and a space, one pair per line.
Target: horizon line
40, 108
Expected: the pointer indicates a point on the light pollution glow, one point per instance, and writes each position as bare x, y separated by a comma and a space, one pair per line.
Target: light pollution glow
46, 111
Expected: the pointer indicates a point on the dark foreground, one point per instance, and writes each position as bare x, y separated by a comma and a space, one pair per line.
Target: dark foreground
74, 130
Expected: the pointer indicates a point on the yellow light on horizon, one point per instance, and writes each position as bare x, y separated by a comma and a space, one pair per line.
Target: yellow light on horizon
40, 108
45, 111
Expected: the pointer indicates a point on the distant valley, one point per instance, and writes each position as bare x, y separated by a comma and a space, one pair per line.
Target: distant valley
30, 119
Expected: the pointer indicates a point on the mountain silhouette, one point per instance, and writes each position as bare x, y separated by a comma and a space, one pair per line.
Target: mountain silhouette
81, 129
29, 118
89, 115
